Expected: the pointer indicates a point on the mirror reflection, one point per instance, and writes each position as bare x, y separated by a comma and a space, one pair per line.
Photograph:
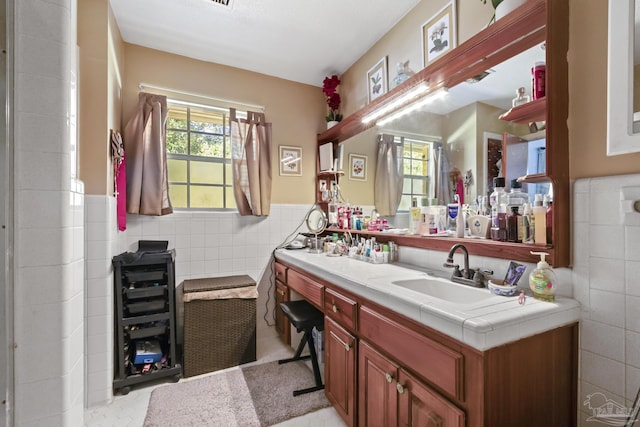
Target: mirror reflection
456, 144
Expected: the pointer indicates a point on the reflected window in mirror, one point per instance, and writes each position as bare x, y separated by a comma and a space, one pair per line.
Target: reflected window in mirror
416, 161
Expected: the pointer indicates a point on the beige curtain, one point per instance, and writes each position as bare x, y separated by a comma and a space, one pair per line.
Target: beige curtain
251, 154
145, 147
389, 175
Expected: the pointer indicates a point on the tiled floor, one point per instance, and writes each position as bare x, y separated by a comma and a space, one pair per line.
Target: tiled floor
130, 410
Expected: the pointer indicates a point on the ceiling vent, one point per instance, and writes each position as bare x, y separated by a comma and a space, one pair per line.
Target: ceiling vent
222, 2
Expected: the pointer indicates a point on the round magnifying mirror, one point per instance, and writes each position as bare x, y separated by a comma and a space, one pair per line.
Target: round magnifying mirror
316, 223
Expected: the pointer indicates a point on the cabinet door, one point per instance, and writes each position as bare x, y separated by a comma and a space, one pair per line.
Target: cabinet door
418, 405
378, 398
340, 370
283, 326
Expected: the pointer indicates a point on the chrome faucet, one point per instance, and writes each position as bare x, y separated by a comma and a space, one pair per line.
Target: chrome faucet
467, 276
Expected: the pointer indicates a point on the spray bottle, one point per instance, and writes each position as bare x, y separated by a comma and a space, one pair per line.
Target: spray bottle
542, 280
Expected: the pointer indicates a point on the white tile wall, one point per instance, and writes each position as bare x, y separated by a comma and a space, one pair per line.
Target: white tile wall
207, 244
605, 281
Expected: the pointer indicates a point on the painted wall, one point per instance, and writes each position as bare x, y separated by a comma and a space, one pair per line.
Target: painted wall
296, 110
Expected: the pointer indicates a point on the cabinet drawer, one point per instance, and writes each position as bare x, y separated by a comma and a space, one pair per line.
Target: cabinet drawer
311, 290
281, 272
340, 308
440, 365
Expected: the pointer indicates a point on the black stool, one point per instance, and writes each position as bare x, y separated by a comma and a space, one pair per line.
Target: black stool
305, 317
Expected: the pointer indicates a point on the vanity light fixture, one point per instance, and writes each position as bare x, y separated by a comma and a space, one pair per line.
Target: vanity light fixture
438, 94
416, 91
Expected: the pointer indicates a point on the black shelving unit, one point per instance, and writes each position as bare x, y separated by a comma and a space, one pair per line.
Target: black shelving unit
144, 291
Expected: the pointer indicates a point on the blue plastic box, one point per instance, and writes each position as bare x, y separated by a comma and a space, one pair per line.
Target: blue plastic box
147, 352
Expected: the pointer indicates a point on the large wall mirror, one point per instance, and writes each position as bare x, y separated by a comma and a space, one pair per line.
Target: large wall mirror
460, 132
623, 85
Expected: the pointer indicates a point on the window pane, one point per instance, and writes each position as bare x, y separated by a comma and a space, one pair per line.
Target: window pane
177, 170
177, 117
178, 195
206, 121
206, 145
228, 173
231, 201
206, 172
405, 203
176, 142
419, 167
206, 197
419, 187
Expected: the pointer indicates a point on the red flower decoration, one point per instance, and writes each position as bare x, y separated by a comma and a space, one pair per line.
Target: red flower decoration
330, 84
329, 87
333, 101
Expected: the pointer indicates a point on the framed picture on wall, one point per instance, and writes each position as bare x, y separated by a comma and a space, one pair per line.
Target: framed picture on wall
290, 160
377, 80
439, 34
357, 167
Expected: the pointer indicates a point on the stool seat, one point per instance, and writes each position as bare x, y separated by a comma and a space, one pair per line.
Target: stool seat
303, 315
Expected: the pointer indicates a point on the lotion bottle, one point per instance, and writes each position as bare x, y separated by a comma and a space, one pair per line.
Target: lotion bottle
414, 217
542, 280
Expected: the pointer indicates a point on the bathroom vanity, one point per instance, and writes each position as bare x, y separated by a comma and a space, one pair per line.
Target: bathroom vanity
403, 347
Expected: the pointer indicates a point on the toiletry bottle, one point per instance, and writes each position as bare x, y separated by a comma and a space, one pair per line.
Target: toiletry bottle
538, 75
539, 221
548, 204
542, 280
414, 217
527, 224
452, 218
514, 227
521, 97
459, 218
517, 197
424, 217
498, 202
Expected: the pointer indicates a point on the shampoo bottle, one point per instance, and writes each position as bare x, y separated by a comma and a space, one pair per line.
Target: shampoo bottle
542, 280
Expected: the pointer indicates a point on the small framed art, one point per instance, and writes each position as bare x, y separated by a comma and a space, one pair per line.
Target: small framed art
439, 34
377, 80
290, 159
357, 167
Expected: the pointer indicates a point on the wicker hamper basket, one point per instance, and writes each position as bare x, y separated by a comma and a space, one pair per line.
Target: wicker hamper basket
219, 331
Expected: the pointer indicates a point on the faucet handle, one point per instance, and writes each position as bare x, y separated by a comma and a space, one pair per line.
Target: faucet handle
456, 271
479, 276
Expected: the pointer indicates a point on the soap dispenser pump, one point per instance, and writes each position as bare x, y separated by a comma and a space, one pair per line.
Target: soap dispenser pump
542, 280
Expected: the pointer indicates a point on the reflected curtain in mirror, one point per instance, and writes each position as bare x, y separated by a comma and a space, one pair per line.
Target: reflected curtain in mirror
389, 175
145, 148
443, 185
251, 162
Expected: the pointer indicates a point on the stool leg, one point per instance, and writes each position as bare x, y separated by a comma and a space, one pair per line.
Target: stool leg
316, 370
296, 356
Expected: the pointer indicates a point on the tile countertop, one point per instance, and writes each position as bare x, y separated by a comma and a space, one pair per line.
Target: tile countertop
484, 324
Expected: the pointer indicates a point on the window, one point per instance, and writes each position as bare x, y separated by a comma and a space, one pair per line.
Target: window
415, 162
199, 157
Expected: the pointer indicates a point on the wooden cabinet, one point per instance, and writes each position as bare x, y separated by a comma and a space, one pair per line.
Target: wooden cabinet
418, 405
340, 370
283, 326
390, 396
384, 369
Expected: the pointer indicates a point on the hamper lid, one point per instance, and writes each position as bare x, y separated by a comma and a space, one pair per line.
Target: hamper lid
217, 283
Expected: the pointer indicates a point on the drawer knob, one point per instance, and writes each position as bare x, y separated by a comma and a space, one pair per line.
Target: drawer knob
281, 292
347, 347
334, 308
400, 388
388, 377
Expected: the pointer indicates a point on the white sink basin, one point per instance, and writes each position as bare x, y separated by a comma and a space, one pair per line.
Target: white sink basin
448, 291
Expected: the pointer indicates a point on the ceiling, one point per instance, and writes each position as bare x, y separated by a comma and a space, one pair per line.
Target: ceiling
291, 39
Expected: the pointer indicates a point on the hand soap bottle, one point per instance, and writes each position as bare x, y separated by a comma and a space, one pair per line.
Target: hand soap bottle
542, 280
